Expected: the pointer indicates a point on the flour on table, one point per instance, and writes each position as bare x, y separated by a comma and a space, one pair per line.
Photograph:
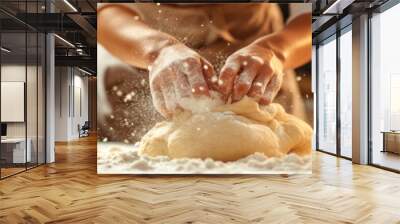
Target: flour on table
118, 158
214, 138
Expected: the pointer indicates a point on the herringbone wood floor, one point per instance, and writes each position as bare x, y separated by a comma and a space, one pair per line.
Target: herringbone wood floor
70, 191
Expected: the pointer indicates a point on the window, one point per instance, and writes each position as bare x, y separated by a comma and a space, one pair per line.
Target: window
346, 93
385, 89
327, 96
22, 76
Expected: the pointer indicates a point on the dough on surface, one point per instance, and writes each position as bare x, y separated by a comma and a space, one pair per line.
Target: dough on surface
229, 132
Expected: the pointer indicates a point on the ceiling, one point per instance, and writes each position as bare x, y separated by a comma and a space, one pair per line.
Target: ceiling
76, 25
76, 22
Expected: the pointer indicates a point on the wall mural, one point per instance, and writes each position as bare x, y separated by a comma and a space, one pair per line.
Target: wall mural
204, 88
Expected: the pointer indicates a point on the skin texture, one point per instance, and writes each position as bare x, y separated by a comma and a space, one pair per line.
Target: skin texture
255, 70
252, 71
176, 73
175, 70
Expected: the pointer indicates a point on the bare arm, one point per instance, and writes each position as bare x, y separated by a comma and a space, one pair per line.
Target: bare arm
257, 69
293, 44
175, 71
122, 33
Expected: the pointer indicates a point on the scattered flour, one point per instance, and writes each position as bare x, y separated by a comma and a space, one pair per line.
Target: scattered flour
118, 158
201, 104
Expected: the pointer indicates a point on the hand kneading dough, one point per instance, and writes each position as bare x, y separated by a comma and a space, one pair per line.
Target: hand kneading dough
229, 132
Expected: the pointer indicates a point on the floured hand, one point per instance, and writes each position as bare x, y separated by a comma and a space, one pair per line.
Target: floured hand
254, 71
178, 72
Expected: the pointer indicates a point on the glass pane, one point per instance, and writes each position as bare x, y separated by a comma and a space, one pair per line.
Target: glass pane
346, 94
385, 84
41, 99
31, 87
313, 87
31, 98
22, 79
13, 86
327, 97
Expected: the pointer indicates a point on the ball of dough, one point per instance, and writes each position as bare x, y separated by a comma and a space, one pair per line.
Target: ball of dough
229, 132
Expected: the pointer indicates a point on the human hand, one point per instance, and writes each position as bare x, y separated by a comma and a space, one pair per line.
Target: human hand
254, 71
176, 73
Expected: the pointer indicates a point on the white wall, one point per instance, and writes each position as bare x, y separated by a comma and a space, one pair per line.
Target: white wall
16, 73
81, 83
61, 103
70, 83
33, 127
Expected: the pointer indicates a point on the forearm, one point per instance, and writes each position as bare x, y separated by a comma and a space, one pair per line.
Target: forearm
293, 44
128, 38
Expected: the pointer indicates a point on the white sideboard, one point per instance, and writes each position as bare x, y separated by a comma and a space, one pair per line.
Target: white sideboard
18, 148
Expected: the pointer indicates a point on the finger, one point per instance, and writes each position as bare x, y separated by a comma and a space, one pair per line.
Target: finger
227, 76
271, 90
209, 75
244, 81
196, 79
181, 84
260, 82
158, 100
168, 91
